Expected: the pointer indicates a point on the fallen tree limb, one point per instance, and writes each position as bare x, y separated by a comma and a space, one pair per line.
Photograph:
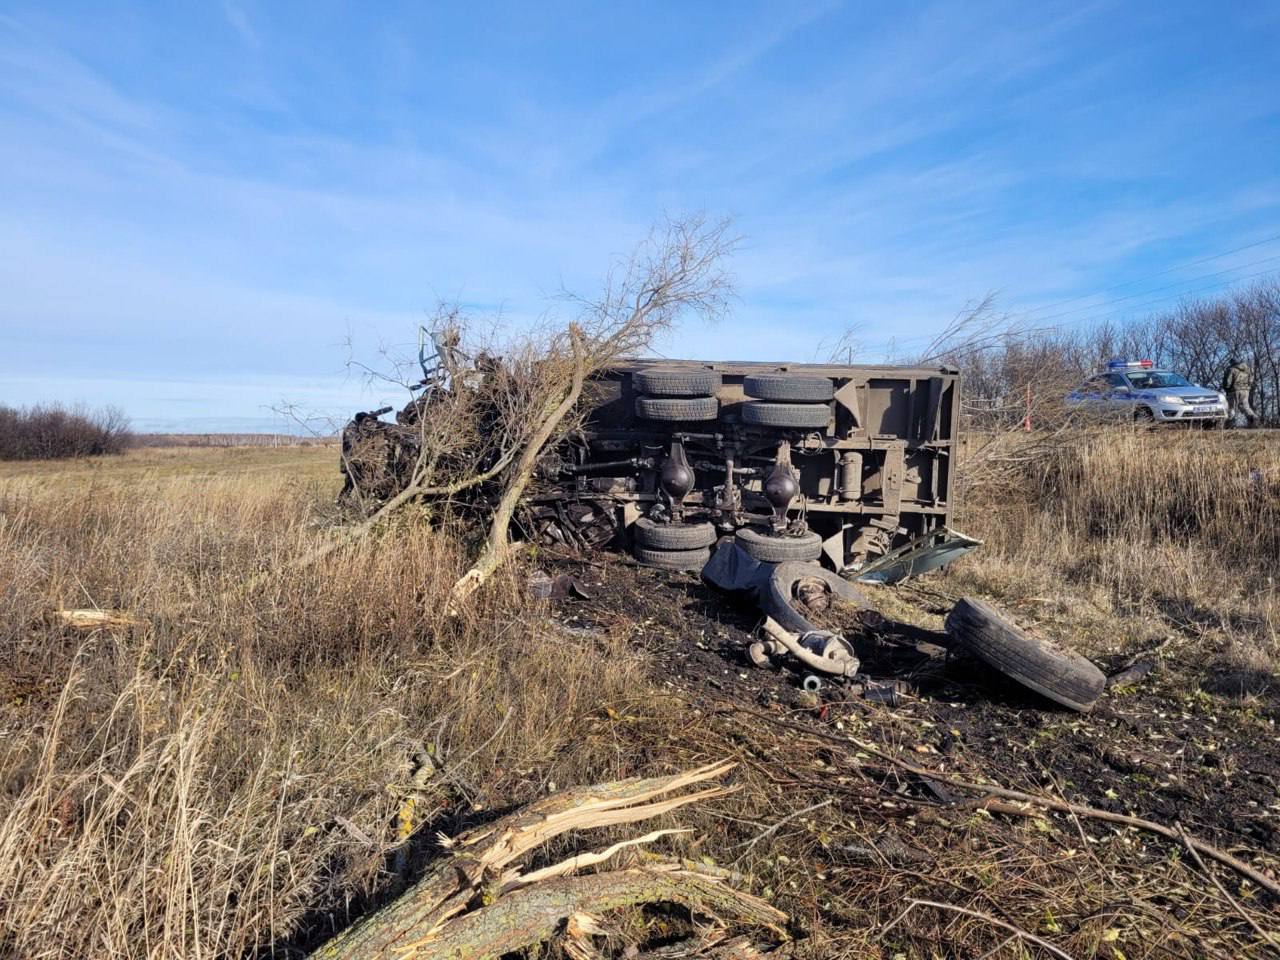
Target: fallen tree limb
1266, 938
497, 547
407, 495
985, 917
433, 912
995, 794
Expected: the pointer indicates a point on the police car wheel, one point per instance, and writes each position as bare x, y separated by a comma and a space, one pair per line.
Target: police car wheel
1065, 677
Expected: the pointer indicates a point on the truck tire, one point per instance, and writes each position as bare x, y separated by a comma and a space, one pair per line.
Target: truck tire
693, 560
789, 389
673, 536
778, 599
770, 549
805, 416
676, 383
677, 409
1061, 675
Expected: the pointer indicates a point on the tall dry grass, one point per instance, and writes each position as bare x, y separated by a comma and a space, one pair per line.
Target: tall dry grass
1148, 527
232, 772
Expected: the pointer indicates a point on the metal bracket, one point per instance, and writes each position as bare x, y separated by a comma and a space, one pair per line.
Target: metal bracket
847, 397
891, 477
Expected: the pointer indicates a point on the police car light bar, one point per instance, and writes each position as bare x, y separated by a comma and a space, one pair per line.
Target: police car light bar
1130, 364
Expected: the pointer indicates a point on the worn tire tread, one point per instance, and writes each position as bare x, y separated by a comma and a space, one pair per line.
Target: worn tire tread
673, 536
797, 416
676, 383
677, 408
789, 388
1063, 676
769, 549
693, 560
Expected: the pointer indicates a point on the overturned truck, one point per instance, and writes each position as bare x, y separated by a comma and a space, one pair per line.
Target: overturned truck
851, 465
847, 464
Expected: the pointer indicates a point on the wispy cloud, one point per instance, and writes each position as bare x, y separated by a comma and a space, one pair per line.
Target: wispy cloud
279, 177
239, 21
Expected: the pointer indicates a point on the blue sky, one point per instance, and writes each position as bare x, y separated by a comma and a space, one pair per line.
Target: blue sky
199, 203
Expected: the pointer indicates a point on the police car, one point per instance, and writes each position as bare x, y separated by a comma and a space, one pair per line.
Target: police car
1134, 389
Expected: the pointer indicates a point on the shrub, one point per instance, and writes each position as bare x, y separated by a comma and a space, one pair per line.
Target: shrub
49, 431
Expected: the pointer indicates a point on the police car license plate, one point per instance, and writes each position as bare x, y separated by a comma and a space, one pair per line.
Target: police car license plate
1203, 410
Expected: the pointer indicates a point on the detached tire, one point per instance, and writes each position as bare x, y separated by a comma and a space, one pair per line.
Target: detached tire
677, 409
676, 383
1061, 675
800, 416
693, 560
769, 549
787, 388
778, 594
673, 536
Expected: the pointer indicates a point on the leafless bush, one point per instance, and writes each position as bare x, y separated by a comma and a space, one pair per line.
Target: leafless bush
50, 431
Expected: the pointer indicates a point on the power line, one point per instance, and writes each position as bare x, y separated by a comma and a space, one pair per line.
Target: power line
1172, 296
1168, 286
1158, 273
885, 345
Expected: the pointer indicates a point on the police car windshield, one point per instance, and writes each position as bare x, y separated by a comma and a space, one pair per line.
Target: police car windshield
1155, 379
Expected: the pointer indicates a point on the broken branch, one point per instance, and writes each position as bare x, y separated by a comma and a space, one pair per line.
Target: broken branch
427, 914
989, 802
497, 546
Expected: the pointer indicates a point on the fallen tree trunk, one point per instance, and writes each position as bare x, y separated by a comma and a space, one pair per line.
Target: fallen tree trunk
534, 914
434, 917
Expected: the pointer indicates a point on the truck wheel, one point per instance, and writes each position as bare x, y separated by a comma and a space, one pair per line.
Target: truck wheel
778, 596
676, 383
769, 549
781, 386
807, 416
1061, 675
673, 536
676, 409
673, 559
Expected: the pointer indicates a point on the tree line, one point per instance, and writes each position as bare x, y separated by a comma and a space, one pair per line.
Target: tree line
49, 431
1004, 363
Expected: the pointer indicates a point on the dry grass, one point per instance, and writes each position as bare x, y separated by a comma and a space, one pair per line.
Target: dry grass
232, 775
210, 783
1129, 532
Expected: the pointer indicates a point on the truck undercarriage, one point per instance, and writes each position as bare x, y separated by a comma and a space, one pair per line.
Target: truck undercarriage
846, 464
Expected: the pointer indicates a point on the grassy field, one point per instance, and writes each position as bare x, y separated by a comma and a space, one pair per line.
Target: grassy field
269, 747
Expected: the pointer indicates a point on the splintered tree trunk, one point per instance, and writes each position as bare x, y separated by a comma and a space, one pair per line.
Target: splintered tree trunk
431, 920
535, 913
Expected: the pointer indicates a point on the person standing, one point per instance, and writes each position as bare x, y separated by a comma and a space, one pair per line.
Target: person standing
1237, 385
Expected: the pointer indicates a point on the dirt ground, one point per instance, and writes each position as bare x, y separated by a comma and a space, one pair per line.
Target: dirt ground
1171, 748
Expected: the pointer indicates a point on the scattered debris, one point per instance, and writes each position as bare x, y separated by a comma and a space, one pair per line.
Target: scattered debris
564, 586
1130, 674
